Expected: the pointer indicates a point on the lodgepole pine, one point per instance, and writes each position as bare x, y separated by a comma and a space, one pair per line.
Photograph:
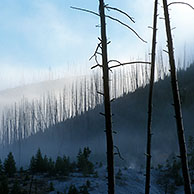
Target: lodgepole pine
108, 122
177, 105
150, 100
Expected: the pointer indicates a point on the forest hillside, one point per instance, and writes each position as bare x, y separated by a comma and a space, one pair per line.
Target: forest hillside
129, 125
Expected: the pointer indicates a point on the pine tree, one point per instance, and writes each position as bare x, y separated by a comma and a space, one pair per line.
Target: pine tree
59, 165
45, 164
39, 161
1, 167
9, 165
83, 163
51, 167
63, 165
33, 164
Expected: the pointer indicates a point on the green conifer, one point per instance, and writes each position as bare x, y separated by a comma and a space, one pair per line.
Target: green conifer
9, 165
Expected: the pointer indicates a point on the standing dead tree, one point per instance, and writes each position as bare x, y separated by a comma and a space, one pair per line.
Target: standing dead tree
177, 105
106, 88
150, 100
107, 107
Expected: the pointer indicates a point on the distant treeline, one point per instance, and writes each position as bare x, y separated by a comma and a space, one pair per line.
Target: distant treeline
26, 118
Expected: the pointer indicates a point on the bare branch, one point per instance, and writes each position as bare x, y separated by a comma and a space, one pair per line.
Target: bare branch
102, 114
127, 63
114, 61
122, 23
124, 13
97, 65
166, 51
85, 10
100, 93
95, 55
179, 2
118, 152
96, 51
112, 18
112, 100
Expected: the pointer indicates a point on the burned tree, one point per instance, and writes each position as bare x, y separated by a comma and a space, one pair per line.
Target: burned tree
107, 107
102, 46
177, 104
150, 101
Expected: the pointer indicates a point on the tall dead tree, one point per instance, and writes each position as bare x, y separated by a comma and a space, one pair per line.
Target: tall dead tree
177, 105
107, 107
150, 100
106, 86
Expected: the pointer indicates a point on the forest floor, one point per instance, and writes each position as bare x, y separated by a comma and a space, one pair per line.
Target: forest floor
128, 181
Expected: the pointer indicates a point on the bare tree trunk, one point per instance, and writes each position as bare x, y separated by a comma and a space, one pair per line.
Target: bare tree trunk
109, 138
177, 105
150, 101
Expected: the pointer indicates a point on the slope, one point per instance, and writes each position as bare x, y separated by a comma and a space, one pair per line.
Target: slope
129, 123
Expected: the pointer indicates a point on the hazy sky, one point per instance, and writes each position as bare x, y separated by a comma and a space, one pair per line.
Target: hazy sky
39, 36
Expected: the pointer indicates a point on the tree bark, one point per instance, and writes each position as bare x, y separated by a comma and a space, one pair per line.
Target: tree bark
177, 105
107, 107
150, 101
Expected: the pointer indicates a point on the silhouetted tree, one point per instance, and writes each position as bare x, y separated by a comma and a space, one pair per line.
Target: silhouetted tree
39, 161
33, 164
1, 168
177, 105
83, 163
9, 165
150, 101
107, 107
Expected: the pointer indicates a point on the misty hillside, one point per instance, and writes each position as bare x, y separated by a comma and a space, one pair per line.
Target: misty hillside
129, 124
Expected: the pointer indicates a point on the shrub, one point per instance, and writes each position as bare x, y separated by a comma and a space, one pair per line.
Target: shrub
73, 190
170, 176
16, 189
51, 187
84, 189
4, 185
119, 174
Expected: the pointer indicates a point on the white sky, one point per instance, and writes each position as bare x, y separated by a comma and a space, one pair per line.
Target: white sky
40, 36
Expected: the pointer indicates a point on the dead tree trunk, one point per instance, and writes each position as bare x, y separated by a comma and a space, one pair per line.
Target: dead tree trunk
177, 105
108, 122
152, 75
